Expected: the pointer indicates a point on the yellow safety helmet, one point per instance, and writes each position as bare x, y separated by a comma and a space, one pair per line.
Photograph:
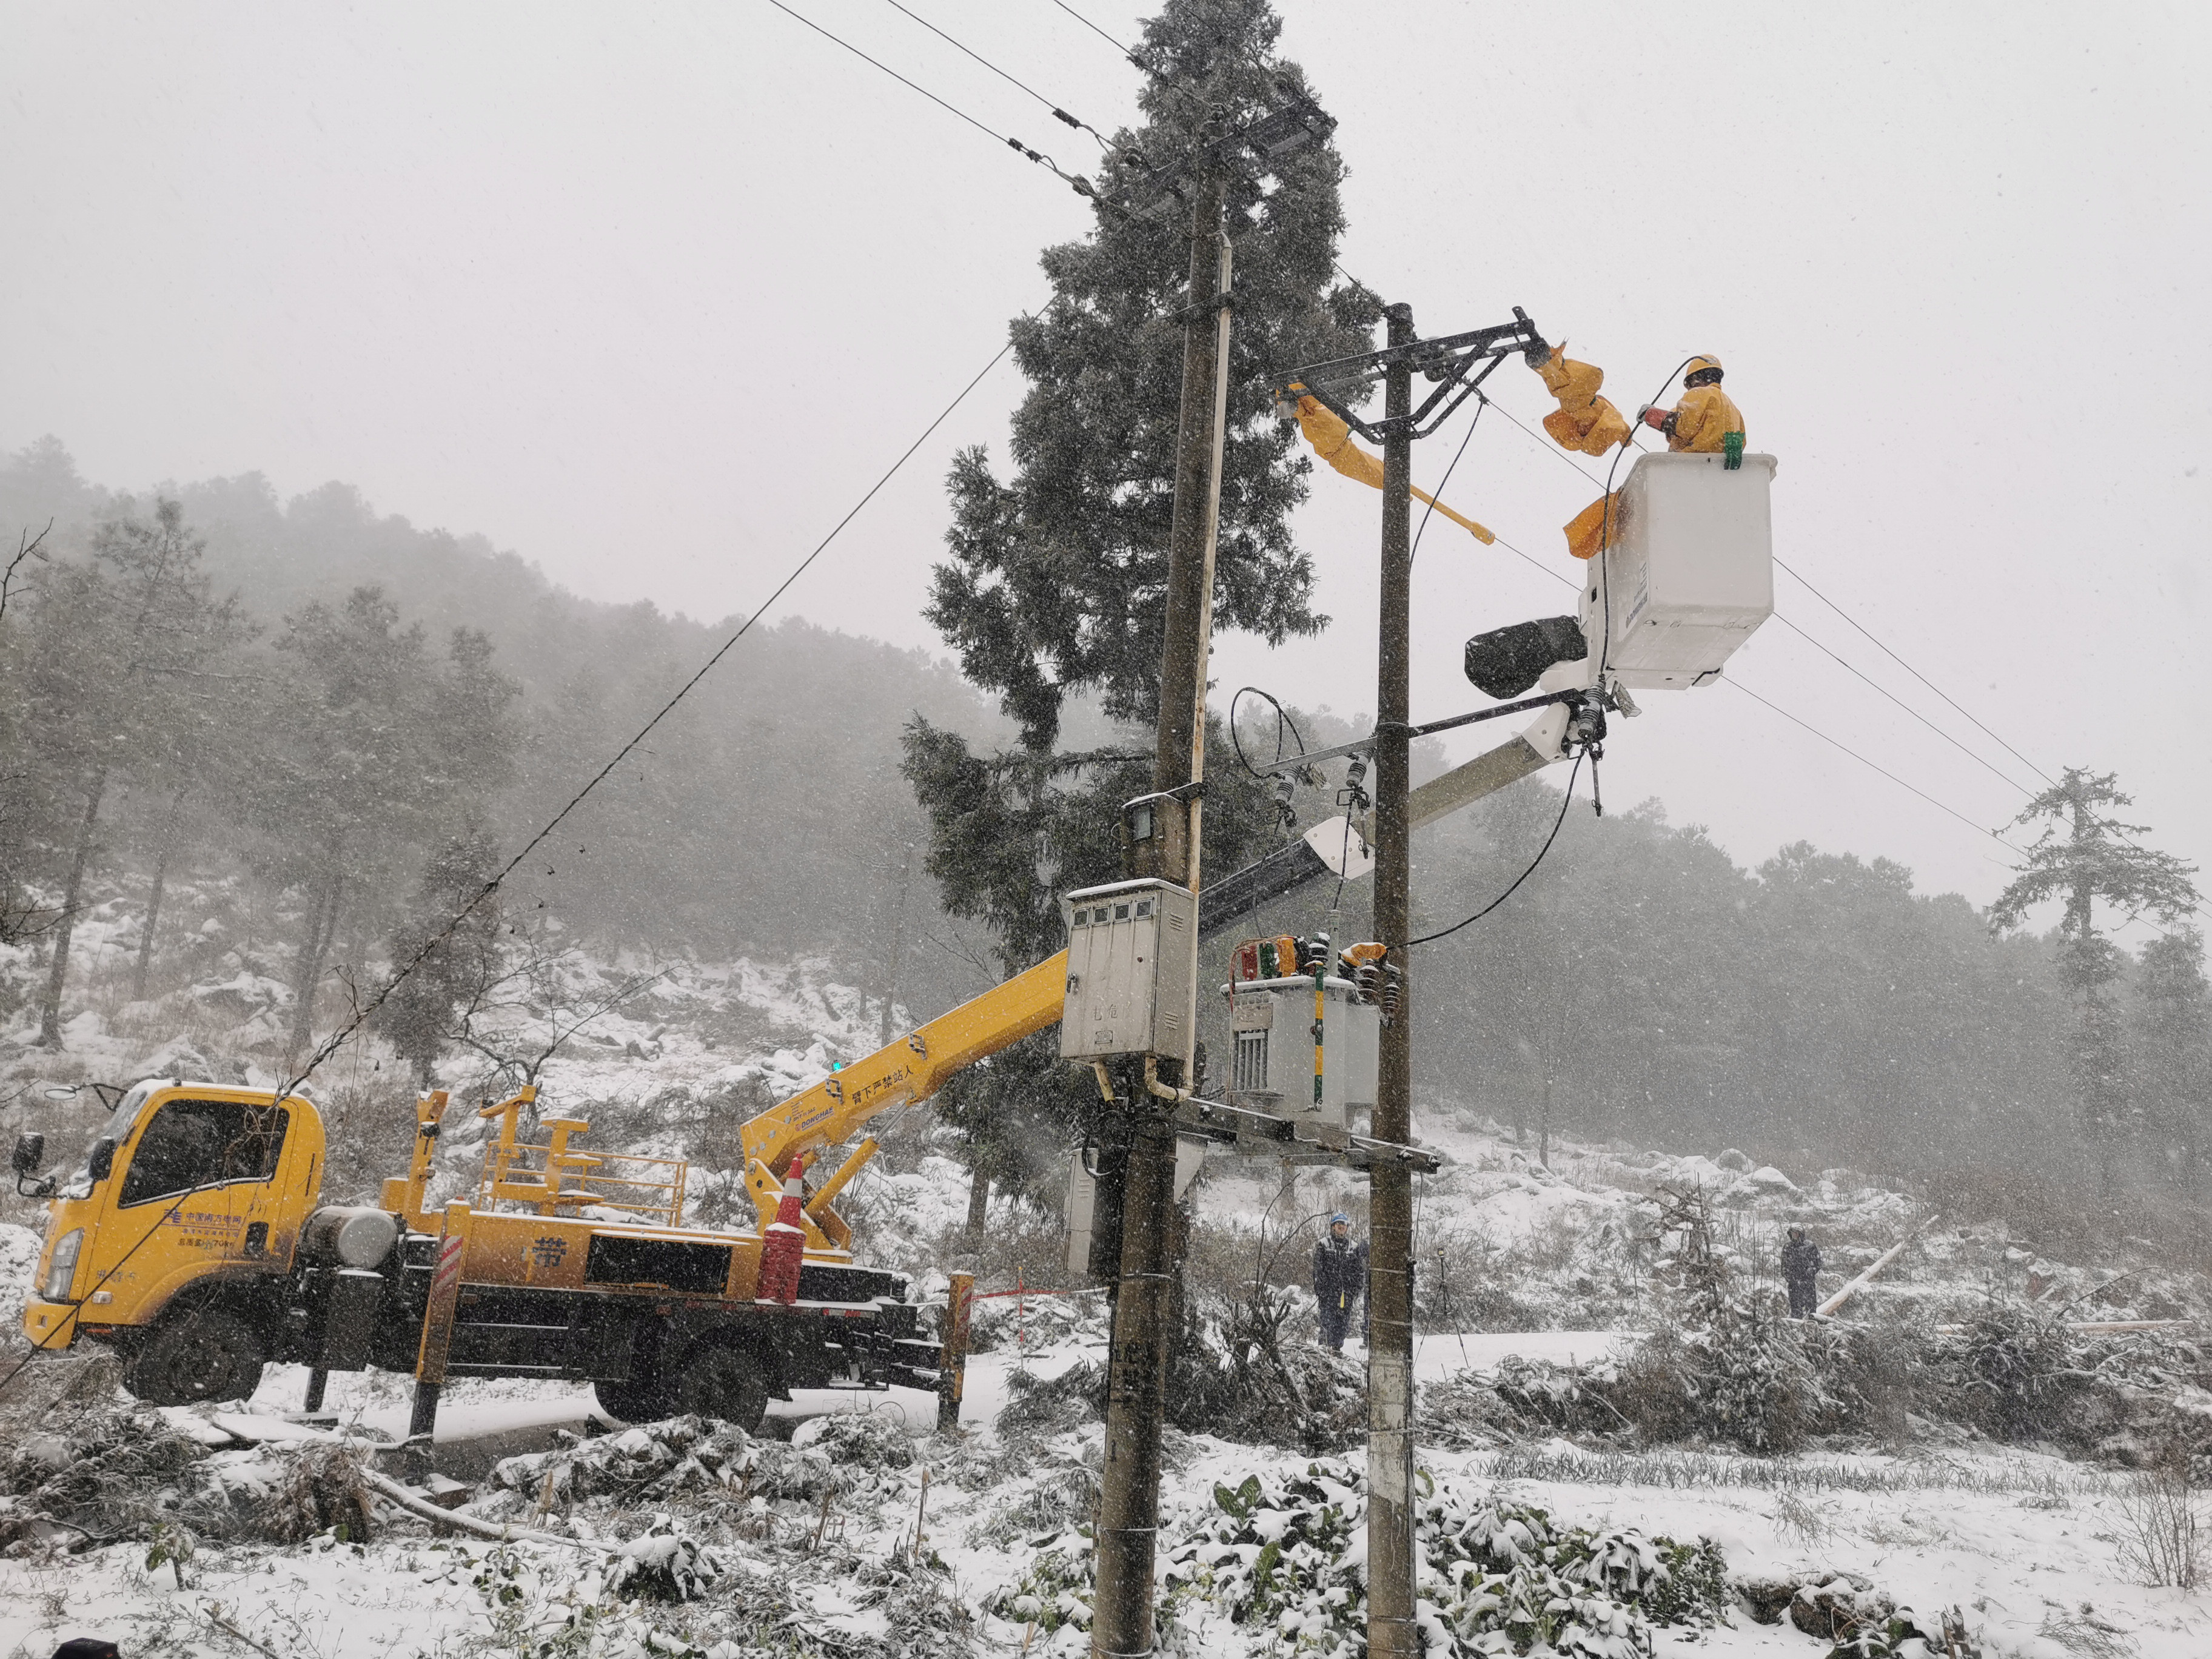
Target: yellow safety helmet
1700, 365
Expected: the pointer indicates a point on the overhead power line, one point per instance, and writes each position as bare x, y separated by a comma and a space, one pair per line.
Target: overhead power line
338, 1038
1060, 114
1872, 765
1081, 186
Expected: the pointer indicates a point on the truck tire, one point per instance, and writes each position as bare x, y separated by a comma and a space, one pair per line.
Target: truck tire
725, 1382
637, 1400
203, 1354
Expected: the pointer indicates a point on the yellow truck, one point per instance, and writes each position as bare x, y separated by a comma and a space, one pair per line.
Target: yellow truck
194, 1242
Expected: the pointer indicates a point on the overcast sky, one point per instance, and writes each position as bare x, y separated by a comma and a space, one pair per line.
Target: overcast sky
650, 296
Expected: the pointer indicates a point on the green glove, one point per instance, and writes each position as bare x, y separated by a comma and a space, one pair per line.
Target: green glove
1732, 448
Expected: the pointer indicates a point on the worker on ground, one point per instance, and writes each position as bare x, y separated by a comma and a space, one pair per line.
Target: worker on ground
1706, 421
1339, 1280
1800, 1266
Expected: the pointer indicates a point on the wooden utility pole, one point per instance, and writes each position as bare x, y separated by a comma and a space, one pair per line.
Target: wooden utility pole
1129, 1483
1391, 1631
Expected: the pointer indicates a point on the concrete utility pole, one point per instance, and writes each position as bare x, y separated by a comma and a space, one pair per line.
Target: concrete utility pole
1391, 1632
1129, 1485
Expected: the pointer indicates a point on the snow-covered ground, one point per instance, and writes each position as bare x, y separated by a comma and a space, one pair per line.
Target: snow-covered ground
2027, 1544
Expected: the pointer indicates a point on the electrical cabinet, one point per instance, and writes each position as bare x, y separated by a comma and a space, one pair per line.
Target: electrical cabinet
1691, 575
1271, 1063
1129, 963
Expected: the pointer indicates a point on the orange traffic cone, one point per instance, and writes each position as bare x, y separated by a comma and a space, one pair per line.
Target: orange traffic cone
786, 1241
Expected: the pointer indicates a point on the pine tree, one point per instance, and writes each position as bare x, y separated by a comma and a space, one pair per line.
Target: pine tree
462, 961
378, 752
1056, 583
126, 673
2082, 856
2173, 1048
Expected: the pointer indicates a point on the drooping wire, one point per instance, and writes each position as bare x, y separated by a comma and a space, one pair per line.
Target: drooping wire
1081, 186
1058, 113
1282, 720
1566, 800
339, 1037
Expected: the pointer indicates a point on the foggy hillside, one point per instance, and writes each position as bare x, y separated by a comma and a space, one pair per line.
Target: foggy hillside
1815, 1010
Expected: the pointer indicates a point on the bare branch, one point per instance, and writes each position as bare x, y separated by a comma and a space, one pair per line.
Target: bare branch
27, 546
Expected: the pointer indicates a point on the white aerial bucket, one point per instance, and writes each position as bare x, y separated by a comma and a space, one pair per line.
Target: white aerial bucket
1690, 575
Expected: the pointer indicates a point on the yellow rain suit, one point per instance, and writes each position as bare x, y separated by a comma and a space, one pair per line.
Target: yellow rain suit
1703, 420
1332, 440
1584, 420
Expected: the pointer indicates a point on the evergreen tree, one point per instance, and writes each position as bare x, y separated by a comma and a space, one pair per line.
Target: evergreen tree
377, 753
2173, 1048
2082, 856
132, 661
420, 1018
1056, 584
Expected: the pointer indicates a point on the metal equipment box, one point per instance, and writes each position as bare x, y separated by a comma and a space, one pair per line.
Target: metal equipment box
1271, 1064
1130, 957
1691, 575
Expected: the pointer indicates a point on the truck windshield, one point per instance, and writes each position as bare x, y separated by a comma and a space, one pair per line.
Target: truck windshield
204, 1143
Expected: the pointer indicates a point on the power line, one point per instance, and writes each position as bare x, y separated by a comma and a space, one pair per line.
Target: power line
1058, 112
1860, 674
1081, 186
1914, 672
1128, 53
1863, 760
338, 1038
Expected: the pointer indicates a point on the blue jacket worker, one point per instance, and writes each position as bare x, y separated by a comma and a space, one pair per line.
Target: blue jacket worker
1340, 1280
1800, 1266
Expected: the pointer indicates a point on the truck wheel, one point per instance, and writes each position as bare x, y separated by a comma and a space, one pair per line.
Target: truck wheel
639, 1400
200, 1354
731, 1383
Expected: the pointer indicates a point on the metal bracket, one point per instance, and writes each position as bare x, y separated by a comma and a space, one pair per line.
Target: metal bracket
1447, 360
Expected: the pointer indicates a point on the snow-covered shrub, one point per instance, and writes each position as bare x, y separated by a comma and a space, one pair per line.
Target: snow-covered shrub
2018, 1369
650, 1461
1042, 1406
663, 1565
1239, 1371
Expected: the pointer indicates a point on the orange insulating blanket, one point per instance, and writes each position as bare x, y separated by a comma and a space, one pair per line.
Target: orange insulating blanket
1584, 420
1332, 440
1585, 529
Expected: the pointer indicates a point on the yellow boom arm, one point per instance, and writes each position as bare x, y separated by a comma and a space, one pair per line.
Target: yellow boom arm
913, 1068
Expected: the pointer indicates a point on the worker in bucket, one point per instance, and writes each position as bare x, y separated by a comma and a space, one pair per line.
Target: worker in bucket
1339, 1280
1801, 1266
1706, 421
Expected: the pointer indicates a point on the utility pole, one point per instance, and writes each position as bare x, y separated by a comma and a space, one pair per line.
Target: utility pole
1129, 1483
1391, 1632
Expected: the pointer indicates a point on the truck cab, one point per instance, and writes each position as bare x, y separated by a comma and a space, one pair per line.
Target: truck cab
184, 1214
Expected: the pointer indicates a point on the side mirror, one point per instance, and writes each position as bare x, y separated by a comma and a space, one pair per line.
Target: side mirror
103, 1160
30, 1152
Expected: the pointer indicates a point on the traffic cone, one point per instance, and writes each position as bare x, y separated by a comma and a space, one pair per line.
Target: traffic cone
786, 1241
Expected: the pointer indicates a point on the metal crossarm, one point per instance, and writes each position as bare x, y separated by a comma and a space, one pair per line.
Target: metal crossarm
1449, 360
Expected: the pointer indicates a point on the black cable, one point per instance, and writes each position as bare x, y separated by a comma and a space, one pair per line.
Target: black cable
337, 1039
1863, 760
1058, 113
1128, 53
1480, 402
1914, 672
1282, 719
1566, 799
1081, 186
